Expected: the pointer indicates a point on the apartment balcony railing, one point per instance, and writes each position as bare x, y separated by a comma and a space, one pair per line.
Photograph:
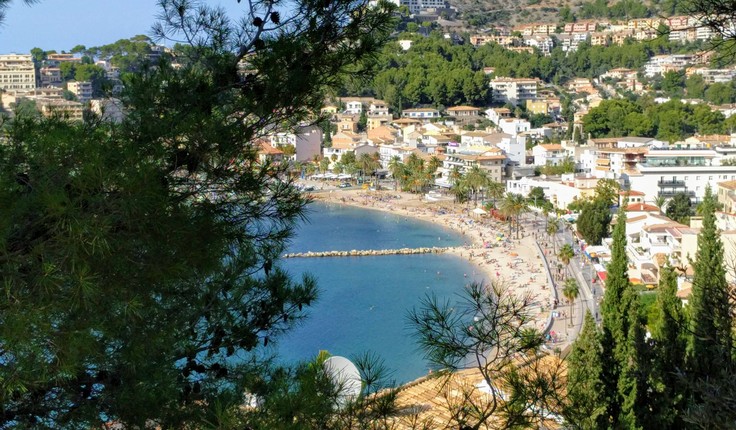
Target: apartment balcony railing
671, 193
671, 183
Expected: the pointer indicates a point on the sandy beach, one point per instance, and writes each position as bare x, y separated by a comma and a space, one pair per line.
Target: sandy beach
497, 255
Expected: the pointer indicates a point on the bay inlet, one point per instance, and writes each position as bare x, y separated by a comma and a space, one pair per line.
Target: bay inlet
365, 299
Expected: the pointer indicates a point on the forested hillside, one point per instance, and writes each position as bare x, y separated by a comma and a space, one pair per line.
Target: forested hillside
434, 71
483, 13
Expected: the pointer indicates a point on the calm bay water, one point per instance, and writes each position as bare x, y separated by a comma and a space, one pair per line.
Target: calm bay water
364, 300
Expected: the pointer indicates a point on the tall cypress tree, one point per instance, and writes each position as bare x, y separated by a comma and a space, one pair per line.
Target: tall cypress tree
668, 336
615, 318
633, 382
586, 408
624, 351
711, 343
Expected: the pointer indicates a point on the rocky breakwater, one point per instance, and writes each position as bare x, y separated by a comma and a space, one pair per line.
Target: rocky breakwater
367, 252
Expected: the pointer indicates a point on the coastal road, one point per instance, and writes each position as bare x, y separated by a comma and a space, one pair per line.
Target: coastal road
584, 274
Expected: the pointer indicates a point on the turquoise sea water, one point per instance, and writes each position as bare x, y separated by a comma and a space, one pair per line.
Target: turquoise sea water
364, 300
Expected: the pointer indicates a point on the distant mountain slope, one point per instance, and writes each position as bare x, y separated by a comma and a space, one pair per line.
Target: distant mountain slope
482, 13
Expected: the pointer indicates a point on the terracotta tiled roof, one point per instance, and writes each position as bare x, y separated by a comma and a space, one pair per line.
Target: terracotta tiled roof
729, 185
641, 207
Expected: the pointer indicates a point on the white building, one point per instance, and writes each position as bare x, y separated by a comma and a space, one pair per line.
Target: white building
353, 107
543, 43
513, 90
661, 64
50, 76
711, 76
666, 172
492, 162
495, 115
559, 191
514, 126
416, 6
17, 72
82, 90
306, 140
514, 147
553, 154
421, 113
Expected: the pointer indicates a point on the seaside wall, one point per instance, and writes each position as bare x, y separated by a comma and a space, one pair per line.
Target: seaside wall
368, 252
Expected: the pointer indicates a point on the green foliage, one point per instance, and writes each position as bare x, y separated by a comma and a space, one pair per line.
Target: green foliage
141, 281
680, 208
720, 93
625, 369
536, 196
670, 121
566, 166
607, 190
39, 55
622, 9
486, 328
673, 83
668, 328
711, 322
129, 55
585, 407
695, 86
513, 206
595, 216
415, 174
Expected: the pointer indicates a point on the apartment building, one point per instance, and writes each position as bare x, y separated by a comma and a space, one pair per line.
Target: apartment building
54, 60
17, 72
580, 27
50, 76
711, 76
82, 90
421, 113
570, 42
306, 141
726, 193
514, 90
543, 43
464, 112
492, 162
660, 64
552, 154
668, 171
66, 109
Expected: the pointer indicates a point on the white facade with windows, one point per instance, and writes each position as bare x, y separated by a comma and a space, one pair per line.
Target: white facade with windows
667, 172
17, 72
514, 91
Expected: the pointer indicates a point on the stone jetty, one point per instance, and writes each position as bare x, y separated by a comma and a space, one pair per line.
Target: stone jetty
368, 252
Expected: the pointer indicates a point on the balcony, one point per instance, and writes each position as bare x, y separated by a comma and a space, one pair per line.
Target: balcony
671, 183
671, 193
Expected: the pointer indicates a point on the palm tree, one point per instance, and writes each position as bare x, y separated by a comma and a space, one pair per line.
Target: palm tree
367, 163
566, 254
477, 179
494, 190
552, 229
508, 209
513, 206
660, 202
571, 290
459, 187
522, 207
398, 171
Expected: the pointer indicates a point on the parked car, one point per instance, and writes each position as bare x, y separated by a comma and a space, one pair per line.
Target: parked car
345, 185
